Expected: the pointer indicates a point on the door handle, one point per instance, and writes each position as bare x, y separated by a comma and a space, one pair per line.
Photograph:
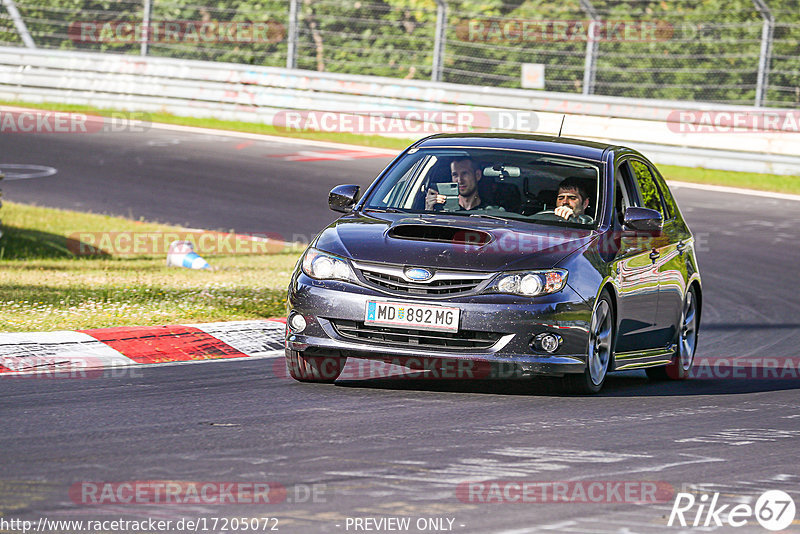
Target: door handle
655, 255
681, 247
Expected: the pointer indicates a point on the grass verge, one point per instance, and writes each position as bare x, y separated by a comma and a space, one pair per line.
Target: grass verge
763, 182
43, 286
747, 180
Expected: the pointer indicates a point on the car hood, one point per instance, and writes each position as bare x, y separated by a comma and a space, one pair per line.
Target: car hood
450, 242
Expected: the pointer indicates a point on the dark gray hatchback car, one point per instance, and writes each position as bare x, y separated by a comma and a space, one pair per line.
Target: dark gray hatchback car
473, 255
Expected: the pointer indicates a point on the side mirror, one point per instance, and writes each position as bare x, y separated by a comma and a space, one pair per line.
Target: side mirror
643, 220
343, 197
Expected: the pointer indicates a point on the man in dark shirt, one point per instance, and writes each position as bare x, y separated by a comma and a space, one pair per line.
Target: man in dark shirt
467, 175
572, 201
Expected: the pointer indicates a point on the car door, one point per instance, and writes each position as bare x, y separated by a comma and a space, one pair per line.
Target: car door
667, 253
634, 271
674, 270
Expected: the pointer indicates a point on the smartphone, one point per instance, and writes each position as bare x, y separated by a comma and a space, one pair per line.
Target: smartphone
449, 190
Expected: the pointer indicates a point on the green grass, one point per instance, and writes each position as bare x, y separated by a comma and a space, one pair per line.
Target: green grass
43, 286
763, 182
747, 180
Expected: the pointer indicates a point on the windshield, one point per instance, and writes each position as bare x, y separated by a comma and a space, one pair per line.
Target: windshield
507, 184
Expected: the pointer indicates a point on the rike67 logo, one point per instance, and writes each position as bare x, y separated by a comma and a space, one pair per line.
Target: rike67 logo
774, 510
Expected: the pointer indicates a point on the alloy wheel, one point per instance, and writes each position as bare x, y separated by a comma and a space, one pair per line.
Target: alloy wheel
688, 338
600, 334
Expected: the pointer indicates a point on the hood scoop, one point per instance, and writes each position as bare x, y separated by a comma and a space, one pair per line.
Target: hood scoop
440, 234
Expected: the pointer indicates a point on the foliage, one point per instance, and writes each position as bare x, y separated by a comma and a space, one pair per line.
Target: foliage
700, 51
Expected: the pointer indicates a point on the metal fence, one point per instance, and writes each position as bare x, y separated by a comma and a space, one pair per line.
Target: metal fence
737, 52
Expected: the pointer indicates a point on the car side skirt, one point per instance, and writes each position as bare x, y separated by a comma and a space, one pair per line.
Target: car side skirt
640, 359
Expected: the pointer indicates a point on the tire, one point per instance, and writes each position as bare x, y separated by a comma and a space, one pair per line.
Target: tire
599, 351
681, 365
318, 369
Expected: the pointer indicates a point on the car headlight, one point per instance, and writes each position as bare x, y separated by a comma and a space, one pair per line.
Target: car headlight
324, 266
530, 283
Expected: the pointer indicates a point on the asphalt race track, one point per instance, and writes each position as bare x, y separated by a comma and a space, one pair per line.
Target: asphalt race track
200, 181
396, 448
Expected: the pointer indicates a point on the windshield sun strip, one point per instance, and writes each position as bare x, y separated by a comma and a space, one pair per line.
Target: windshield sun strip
555, 154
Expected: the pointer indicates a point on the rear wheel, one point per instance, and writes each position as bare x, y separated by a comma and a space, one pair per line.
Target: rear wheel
314, 368
681, 364
599, 351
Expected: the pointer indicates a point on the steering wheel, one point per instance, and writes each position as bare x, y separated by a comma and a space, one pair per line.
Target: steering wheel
550, 215
547, 215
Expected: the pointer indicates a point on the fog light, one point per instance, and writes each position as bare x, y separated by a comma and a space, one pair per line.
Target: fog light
547, 342
297, 322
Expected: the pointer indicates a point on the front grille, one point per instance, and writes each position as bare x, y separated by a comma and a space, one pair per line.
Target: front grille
447, 286
461, 340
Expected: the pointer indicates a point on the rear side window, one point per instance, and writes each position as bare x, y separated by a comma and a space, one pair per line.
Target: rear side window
625, 193
648, 190
666, 195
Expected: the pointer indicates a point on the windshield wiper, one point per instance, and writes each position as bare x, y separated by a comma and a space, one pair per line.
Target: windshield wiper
486, 216
385, 210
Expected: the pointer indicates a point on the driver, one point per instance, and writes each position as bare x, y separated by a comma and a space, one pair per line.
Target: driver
572, 201
466, 174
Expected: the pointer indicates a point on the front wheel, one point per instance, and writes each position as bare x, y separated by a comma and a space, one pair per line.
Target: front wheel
602, 328
681, 365
318, 368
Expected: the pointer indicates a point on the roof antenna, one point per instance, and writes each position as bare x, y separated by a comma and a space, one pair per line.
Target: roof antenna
562, 125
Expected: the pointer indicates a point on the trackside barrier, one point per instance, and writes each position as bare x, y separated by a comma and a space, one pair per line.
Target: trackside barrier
257, 94
1, 203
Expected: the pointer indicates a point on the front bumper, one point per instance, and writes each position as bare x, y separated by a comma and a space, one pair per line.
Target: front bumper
515, 321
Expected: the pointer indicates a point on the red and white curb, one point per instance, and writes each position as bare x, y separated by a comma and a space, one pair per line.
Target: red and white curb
75, 351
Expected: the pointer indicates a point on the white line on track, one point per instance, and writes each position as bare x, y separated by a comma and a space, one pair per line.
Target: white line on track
273, 138
659, 468
24, 171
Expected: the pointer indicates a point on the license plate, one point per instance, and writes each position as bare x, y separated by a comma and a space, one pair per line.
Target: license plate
409, 315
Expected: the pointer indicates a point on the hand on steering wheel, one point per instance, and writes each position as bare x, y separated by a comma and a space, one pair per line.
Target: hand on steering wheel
565, 212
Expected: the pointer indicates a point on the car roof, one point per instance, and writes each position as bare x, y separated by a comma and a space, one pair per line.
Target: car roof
538, 143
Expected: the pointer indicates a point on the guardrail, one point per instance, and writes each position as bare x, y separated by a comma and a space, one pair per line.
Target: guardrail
1, 203
258, 94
